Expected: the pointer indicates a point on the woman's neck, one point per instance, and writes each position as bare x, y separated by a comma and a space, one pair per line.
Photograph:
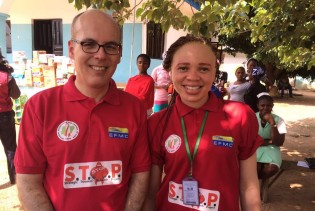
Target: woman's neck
239, 81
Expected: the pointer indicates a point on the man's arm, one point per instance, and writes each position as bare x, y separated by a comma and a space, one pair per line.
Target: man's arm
138, 188
31, 192
155, 182
249, 185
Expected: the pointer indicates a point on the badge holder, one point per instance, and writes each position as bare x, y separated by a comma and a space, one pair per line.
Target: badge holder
190, 191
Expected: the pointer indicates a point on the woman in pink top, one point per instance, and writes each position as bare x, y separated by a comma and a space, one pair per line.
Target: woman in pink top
162, 81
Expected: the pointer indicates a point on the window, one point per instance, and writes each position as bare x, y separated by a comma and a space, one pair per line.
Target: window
48, 36
155, 40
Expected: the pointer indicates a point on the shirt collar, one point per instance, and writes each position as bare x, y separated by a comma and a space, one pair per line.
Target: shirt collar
73, 94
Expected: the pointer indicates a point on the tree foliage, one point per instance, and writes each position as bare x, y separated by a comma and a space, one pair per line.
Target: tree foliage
281, 33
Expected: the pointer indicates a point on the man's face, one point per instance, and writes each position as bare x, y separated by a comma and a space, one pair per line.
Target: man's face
250, 66
142, 64
94, 70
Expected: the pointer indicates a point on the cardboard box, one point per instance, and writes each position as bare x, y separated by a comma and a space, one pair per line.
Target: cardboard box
50, 81
38, 81
49, 71
70, 69
18, 56
28, 77
61, 81
37, 53
37, 71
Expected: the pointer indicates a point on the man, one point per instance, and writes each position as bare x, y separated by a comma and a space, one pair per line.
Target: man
83, 146
283, 84
142, 85
8, 89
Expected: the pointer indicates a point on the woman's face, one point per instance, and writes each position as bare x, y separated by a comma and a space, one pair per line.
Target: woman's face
142, 64
193, 72
265, 106
240, 73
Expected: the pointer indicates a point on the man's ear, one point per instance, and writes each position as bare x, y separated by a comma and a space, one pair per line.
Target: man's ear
70, 49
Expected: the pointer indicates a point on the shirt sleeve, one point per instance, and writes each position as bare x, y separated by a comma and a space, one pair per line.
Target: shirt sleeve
29, 157
281, 126
155, 140
141, 160
246, 130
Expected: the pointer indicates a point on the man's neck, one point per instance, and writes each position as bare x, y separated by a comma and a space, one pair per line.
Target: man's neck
97, 93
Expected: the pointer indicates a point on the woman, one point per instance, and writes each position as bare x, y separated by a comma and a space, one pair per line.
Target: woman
8, 90
238, 89
272, 129
205, 146
142, 85
162, 81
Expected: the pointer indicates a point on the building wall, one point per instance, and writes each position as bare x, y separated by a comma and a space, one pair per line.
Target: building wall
21, 14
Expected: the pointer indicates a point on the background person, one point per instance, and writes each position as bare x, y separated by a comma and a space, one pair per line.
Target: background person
251, 63
238, 88
83, 146
161, 83
189, 145
272, 129
142, 85
283, 84
250, 97
8, 89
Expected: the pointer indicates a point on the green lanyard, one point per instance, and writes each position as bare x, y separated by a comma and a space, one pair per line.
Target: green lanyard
191, 158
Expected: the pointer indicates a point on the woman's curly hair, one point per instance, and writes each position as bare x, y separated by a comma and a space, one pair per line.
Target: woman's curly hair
4, 65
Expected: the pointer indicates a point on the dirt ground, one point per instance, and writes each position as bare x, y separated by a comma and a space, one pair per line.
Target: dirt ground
292, 189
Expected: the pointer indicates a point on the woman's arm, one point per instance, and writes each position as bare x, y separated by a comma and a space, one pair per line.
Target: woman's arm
276, 138
14, 90
155, 182
31, 192
249, 185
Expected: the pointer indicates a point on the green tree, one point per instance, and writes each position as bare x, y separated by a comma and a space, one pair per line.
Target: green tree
279, 33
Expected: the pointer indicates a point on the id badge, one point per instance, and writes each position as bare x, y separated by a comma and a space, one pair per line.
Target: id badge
190, 191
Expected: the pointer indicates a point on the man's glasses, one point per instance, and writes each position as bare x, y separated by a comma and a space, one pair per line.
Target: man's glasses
111, 48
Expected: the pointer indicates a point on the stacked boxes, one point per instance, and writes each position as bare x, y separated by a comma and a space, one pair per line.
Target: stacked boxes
44, 70
28, 77
38, 77
37, 56
49, 76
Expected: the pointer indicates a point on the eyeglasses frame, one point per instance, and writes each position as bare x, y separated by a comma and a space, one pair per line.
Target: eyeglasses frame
99, 46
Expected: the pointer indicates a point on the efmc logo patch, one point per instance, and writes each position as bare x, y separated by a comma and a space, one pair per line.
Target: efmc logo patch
67, 131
